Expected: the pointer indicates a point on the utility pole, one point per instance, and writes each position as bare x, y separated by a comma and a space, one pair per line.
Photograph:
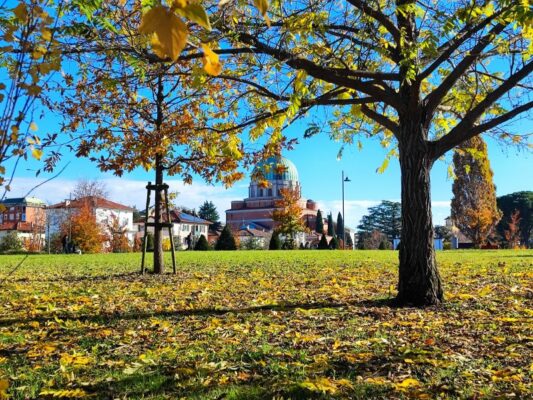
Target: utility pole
343, 219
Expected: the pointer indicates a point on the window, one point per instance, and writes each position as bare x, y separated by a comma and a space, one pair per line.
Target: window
11, 217
269, 192
260, 193
23, 217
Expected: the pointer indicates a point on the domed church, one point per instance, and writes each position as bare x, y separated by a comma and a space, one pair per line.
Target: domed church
268, 178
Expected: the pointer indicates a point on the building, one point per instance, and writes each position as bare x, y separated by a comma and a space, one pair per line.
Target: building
268, 178
27, 217
185, 227
104, 210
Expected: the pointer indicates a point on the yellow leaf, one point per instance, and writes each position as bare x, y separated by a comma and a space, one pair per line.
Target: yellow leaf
408, 383
196, 13
36, 153
33, 126
21, 12
211, 61
262, 6
170, 33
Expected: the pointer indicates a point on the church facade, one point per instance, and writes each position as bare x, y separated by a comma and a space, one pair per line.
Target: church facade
268, 178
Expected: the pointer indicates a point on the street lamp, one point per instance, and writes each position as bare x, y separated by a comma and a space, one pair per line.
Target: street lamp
344, 179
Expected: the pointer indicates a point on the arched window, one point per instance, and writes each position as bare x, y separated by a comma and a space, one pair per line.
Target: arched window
269, 192
260, 193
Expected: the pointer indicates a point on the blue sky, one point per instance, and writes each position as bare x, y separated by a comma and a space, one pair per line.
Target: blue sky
319, 171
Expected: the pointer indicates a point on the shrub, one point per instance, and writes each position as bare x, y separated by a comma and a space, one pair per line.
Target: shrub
226, 241
201, 244
275, 243
11, 242
323, 244
166, 244
333, 243
384, 245
149, 242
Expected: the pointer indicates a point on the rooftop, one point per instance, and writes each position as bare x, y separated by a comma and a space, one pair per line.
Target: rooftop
93, 201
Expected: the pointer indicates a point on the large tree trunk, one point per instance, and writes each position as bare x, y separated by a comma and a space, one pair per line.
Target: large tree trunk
159, 262
419, 283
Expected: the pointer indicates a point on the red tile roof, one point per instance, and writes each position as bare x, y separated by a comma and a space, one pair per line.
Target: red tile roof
94, 201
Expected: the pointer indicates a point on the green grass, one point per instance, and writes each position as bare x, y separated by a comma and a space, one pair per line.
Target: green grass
262, 325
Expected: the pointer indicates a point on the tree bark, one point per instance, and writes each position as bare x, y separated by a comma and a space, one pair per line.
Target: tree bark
419, 282
159, 262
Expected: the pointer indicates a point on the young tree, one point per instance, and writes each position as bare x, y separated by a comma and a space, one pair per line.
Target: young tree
323, 244
117, 236
334, 243
201, 244
137, 105
275, 242
331, 227
11, 242
226, 241
340, 225
209, 212
421, 74
87, 234
523, 202
319, 226
288, 215
474, 209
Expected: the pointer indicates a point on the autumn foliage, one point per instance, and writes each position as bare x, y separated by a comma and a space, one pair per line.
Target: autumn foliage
87, 234
474, 208
288, 215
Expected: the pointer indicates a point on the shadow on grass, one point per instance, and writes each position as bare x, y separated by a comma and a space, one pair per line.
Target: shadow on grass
108, 317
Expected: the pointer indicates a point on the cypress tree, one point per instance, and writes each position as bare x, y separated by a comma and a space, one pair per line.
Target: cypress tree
349, 241
149, 242
333, 243
319, 226
331, 230
226, 241
275, 243
323, 244
201, 244
340, 225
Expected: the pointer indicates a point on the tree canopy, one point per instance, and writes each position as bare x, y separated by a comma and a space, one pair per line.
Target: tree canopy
385, 218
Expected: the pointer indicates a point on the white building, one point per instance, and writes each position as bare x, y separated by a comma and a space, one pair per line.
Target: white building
104, 210
185, 227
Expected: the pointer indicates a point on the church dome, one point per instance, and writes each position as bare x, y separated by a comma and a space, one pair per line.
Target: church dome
277, 169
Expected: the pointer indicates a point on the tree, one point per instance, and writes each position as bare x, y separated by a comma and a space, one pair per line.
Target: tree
87, 234
275, 242
385, 217
371, 240
149, 242
288, 215
340, 225
11, 242
421, 76
226, 241
87, 187
29, 56
201, 244
209, 212
474, 208
117, 236
523, 202
443, 232
334, 243
323, 244
512, 233
137, 105
349, 241
331, 228
319, 226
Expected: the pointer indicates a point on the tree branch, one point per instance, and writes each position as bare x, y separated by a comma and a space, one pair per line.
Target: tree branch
380, 119
380, 17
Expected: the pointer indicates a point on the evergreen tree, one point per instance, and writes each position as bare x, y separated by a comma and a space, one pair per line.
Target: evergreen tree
385, 217
340, 225
275, 242
474, 208
11, 242
201, 244
349, 241
323, 244
226, 241
319, 227
334, 243
209, 212
331, 229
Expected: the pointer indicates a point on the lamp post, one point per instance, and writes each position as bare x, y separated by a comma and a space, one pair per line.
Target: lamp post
344, 179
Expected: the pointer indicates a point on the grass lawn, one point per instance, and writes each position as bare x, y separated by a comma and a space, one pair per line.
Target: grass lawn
254, 325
